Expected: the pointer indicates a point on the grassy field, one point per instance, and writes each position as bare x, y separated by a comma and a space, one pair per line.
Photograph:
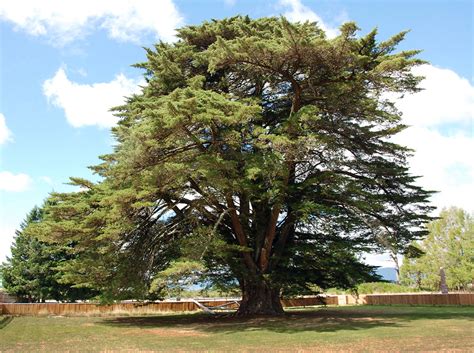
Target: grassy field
396, 328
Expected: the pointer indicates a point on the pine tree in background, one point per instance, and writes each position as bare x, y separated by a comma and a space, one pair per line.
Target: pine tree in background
259, 148
32, 273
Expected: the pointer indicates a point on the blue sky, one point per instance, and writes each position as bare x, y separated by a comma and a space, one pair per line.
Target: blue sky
63, 64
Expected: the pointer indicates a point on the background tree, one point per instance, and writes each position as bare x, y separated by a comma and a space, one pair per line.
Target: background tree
33, 273
449, 244
178, 277
260, 148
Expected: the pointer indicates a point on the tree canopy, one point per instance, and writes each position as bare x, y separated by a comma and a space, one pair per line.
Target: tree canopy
449, 245
259, 148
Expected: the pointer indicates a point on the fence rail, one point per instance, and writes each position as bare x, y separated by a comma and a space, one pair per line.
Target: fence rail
136, 308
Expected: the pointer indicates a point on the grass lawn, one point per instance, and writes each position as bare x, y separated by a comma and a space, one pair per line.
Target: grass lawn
367, 328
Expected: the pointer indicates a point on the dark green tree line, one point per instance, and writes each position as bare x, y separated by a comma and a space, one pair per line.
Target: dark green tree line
33, 271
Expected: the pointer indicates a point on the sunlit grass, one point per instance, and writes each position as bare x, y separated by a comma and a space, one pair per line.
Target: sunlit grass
395, 328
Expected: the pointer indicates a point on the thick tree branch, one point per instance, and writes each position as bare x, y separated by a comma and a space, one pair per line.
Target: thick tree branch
269, 237
239, 232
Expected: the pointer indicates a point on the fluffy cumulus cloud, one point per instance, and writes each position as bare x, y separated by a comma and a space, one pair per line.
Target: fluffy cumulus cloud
64, 21
445, 164
88, 104
14, 182
440, 132
446, 98
5, 133
296, 11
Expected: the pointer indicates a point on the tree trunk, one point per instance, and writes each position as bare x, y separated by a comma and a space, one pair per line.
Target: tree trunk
397, 266
259, 298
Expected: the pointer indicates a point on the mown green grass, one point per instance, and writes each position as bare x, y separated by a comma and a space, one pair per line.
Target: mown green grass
377, 328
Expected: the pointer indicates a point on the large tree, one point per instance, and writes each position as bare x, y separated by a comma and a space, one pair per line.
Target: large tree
260, 148
450, 245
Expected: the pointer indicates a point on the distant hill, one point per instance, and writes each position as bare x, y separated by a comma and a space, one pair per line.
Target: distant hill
387, 273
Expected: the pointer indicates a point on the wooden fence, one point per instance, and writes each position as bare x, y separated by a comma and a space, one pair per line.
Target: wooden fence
88, 309
136, 308
418, 299
408, 299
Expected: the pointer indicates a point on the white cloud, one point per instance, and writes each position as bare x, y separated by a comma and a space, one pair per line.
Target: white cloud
446, 98
297, 12
14, 182
445, 164
89, 104
5, 133
381, 260
64, 21
439, 117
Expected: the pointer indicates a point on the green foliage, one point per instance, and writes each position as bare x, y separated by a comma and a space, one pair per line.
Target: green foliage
373, 288
178, 277
383, 287
116, 267
259, 148
33, 272
450, 244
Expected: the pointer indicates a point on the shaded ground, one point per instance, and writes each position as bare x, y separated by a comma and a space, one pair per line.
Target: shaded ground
396, 328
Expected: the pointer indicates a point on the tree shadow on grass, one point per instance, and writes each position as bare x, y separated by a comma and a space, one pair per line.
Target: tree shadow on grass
407, 313
5, 321
290, 323
322, 320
